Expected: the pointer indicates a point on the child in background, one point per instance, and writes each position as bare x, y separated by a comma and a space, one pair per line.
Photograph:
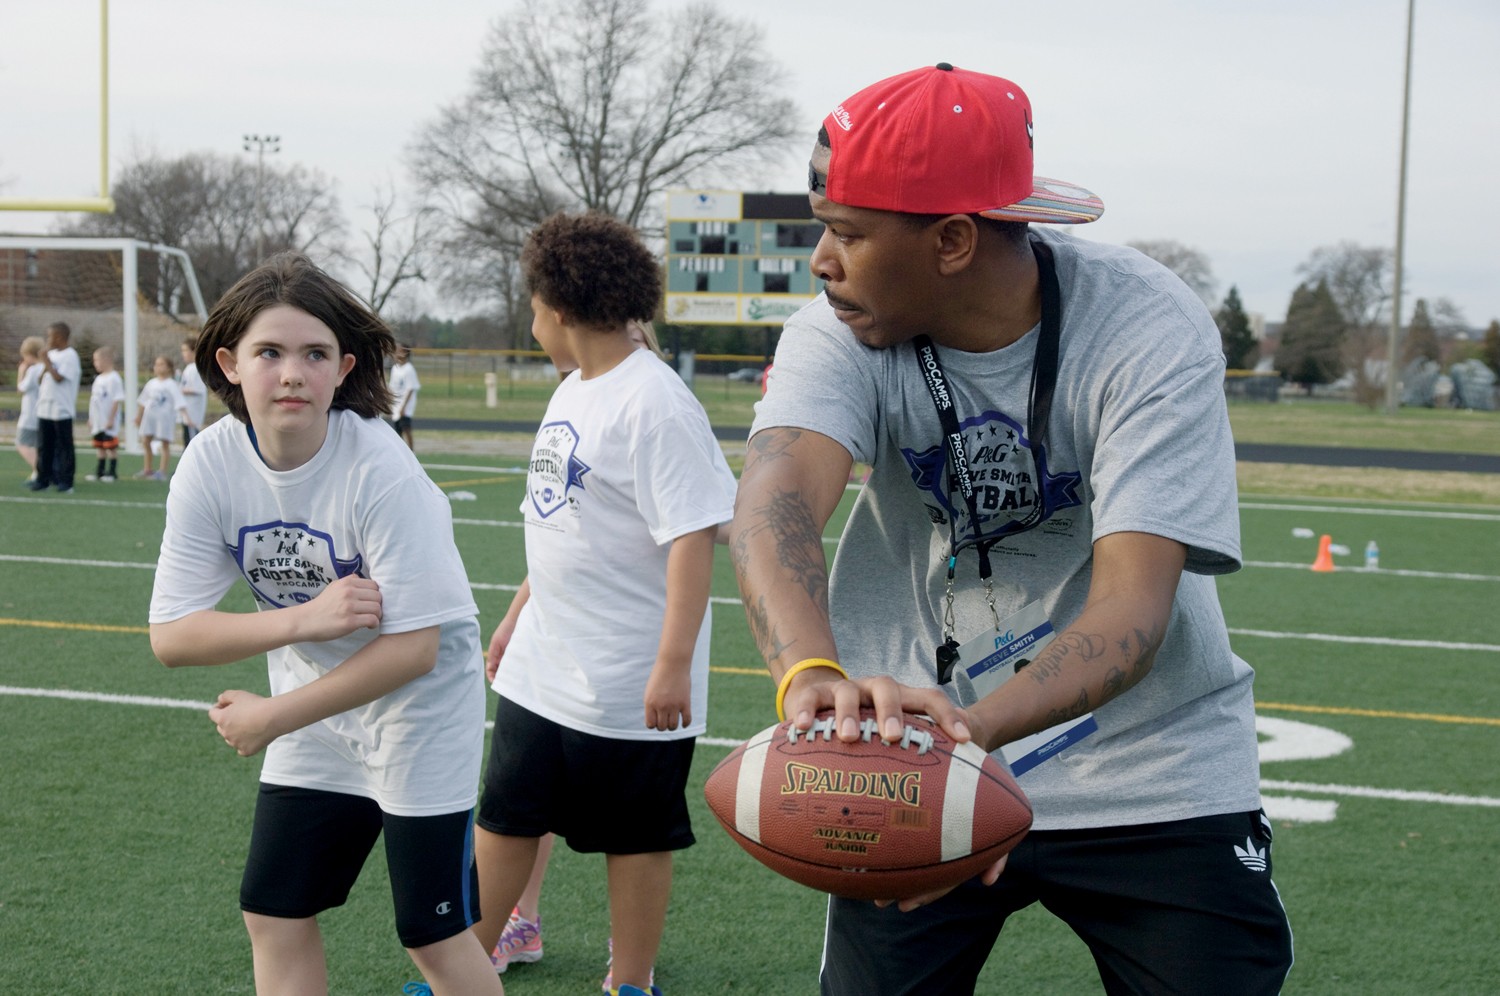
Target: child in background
160, 403
404, 387
193, 391
375, 723
28, 380
106, 413
603, 682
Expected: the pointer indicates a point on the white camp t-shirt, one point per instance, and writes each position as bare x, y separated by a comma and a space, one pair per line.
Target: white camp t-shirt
160, 401
362, 505
194, 394
404, 378
106, 390
58, 399
623, 464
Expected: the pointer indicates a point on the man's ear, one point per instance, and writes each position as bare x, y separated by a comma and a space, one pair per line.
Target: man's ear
957, 242
227, 363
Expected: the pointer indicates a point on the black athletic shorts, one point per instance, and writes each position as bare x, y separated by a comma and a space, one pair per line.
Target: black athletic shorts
308, 846
1186, 906
599, 794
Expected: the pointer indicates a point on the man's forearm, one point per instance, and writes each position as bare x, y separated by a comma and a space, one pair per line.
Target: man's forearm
791, 484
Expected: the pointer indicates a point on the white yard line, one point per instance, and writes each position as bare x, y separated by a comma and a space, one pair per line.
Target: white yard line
1360, 791
1352, 510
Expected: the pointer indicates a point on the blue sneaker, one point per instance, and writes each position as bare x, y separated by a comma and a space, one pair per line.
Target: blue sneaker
628, 990
417, 989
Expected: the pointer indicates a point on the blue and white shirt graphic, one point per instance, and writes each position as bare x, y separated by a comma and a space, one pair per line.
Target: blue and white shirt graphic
1010, 476
555, 469
288, 563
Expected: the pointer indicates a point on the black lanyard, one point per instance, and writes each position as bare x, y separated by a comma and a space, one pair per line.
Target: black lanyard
1038, 411
1038, 414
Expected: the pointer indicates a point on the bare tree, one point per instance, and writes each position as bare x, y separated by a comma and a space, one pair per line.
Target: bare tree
395, 251
1190, 265
204, 203
599, 105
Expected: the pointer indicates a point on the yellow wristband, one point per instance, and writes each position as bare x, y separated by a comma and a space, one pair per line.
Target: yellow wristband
792, 671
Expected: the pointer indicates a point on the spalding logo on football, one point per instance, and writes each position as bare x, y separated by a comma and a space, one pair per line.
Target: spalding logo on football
869, 819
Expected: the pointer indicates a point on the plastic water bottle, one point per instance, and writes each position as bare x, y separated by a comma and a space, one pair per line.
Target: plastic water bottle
1372, 556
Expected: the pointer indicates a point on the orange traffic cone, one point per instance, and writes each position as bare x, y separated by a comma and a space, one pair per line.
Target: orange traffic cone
1324, 562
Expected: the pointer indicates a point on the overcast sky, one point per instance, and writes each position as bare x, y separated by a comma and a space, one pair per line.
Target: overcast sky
1254, 133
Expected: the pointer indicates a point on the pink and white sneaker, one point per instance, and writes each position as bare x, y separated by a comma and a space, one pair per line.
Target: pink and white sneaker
521, 941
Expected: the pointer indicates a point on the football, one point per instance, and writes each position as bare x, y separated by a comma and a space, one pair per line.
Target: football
868, 819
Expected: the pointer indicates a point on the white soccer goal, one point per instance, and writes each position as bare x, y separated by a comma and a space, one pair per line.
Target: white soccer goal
98, 294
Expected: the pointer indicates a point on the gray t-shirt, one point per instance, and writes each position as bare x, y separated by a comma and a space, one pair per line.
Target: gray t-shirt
1138, 441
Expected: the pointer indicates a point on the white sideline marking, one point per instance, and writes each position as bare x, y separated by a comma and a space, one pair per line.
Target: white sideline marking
1293, 810
1394, 795
1381, 641
1392, 571
65, 562
65, 693
1401, 512
73, 499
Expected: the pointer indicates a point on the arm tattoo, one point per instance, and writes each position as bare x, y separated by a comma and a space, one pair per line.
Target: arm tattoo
1078, 707
785, 521
767, 640
1135, 657
799, 545
772, 444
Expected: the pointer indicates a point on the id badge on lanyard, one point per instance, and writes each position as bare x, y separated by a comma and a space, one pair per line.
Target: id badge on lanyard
1038, 414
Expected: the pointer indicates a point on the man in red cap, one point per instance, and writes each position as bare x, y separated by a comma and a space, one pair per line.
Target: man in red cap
1031, 560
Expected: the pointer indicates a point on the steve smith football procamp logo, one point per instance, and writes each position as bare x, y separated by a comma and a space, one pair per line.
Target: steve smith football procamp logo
288, 563
1010, 478
555, 468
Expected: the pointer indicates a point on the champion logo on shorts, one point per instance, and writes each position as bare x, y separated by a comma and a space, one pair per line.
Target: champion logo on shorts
1251, 857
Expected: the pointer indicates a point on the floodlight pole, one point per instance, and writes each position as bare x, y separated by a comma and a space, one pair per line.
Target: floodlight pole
260, 142
1395, 334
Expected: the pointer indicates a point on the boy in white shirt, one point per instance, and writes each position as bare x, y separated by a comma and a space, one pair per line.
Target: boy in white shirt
601, 662
404, 387
56, 401
106, 413
375, 723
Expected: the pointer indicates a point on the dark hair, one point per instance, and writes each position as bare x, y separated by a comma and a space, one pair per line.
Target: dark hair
291, 279
593, 268
62, 327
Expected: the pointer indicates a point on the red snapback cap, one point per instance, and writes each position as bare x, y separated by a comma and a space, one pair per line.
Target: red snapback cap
941, 140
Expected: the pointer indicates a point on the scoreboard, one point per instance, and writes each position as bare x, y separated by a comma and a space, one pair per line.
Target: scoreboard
736, 258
